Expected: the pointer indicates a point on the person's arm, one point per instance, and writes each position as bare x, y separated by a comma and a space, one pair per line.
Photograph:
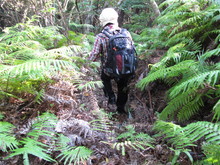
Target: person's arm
96, 51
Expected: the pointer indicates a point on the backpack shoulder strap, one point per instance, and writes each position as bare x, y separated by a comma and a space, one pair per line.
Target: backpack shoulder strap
110, 34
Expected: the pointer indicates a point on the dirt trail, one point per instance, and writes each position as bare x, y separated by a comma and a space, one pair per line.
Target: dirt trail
82, 107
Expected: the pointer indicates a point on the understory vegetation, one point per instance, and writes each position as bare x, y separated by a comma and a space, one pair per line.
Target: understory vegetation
50, 108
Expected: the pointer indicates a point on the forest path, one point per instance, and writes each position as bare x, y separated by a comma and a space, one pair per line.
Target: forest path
86, 118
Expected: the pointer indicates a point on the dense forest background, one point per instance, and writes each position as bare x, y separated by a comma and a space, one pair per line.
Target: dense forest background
53, 111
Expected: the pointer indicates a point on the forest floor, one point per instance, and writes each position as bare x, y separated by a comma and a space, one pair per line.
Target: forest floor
88, 106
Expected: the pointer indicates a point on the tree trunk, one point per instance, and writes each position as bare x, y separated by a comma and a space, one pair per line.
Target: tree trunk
155, 8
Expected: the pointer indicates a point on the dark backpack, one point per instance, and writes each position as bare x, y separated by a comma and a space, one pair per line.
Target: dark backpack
121, 54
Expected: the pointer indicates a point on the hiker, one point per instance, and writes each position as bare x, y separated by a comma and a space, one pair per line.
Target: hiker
109, 21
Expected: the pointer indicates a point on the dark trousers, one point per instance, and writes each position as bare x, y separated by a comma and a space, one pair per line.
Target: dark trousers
122, 86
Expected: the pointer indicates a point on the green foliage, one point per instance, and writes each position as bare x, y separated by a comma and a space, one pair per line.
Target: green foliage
33, 147
31, 144
132, 139
181, 138
40, 140
194, 77
211, 53
71, 154
1, 116
168, 72
212, 152
149, 39
7, 139
217, 111
80, 27
90, 85
31, 55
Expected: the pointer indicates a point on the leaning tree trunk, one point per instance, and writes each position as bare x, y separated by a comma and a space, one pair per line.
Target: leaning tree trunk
155, 8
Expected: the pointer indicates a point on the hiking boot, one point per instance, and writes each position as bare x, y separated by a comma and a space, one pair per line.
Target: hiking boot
121, 111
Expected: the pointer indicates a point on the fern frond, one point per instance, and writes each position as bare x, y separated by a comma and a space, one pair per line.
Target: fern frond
39, 96
72, 154
7, 139
32, 147
212, 152
90, 85
182, 137
208, 54
41, 124
208, 130
191, 108
101, 125
175, 104
193, 20
132, 140
169, 72
128, 134
173, 134
216, 110
64, 52
209, 77
34, 67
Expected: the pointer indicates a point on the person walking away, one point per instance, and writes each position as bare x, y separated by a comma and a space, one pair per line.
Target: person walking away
116, 60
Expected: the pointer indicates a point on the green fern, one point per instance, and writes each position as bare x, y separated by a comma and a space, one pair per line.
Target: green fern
1, 116
131, 139
190, 109
39, 95
173, 133
169, 72
198, 81
181, 105
33, 147
71, 154
90, 85
7, 139
102, 124
38, 66
30, 144
208, 54
181, 138
216, 110
212, 152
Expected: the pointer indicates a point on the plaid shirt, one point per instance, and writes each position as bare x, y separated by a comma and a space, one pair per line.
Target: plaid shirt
100, 45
